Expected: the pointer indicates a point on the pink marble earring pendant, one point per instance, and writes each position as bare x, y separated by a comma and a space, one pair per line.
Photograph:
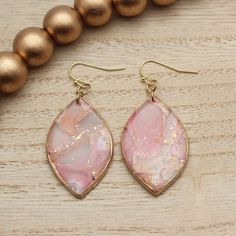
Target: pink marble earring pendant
79, 144
155, 146
154, 142
79, 147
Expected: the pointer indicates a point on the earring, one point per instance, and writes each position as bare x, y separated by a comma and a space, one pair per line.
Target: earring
79, 143
154, 143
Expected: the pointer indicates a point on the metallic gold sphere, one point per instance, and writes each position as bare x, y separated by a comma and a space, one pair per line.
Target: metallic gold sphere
94, 12
163, 2
34, 45
13, 72
63, 23
129, 8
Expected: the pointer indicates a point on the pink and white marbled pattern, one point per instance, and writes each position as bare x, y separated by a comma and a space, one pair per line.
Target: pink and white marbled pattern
155, 146
79, 147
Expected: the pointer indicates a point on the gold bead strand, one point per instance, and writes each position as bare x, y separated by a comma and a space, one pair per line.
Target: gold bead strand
34, 46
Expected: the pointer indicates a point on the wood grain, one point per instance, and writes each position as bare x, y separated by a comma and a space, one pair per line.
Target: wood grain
198, 35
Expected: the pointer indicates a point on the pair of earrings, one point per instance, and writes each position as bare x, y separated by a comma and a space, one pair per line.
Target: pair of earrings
154, 143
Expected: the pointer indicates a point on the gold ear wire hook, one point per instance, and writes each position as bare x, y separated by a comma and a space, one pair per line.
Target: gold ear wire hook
81, 83
84, 88
166, 66
152, 83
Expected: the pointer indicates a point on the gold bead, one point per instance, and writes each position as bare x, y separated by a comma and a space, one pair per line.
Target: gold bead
94, 12
129, 8
63, 23
163, 2
13, 72
34, 45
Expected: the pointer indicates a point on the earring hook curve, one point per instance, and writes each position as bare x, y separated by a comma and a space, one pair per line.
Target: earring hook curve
151, 84
82, 87
164, 65
82, 83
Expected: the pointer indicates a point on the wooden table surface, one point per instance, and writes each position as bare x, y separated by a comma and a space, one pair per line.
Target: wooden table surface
196, 35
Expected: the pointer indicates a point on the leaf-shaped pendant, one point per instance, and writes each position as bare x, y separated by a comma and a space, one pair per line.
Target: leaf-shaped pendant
155, 146
79, 147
